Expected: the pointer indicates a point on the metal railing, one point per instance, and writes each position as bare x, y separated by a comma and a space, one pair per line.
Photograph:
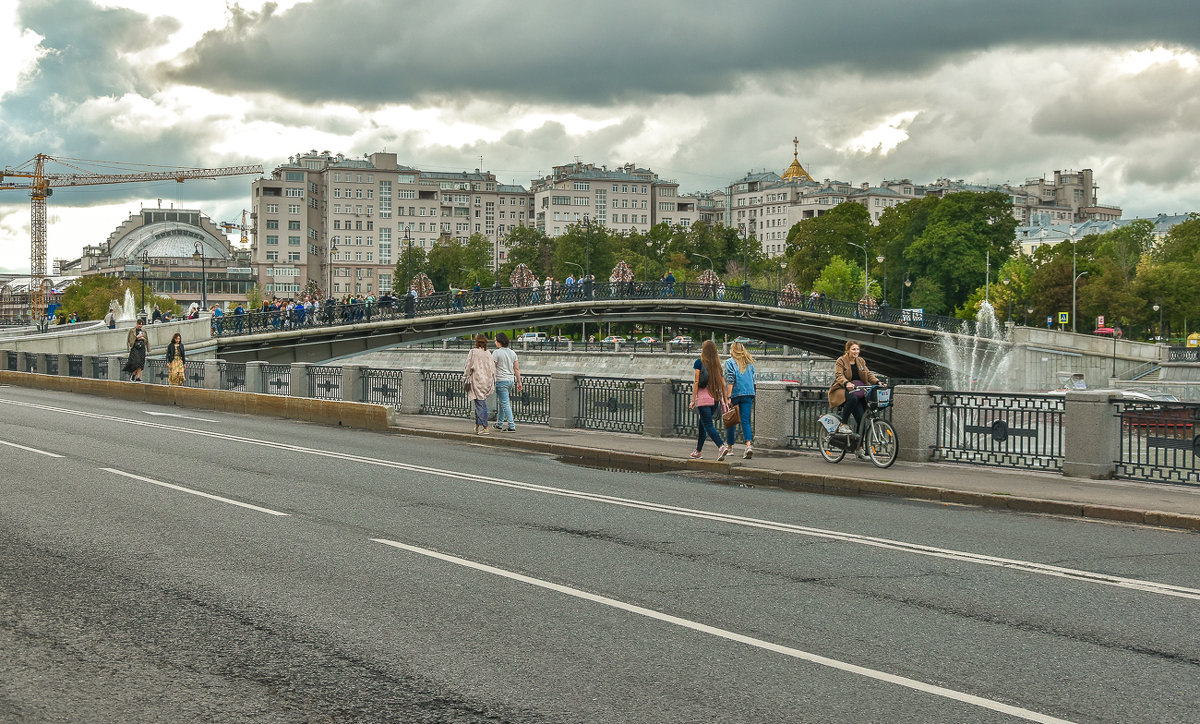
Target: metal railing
807, 403
12, 360
1183, 354
156, 372
325, 382
75, 365
442, 394
51, 364
100, 371
233, 375
331, 314
193, 374
1159, 442
532, 403
687, 420
610, 403
1000, 429
381, 386
277, 379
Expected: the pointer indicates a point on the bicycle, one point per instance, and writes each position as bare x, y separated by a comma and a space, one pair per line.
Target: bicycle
878, 438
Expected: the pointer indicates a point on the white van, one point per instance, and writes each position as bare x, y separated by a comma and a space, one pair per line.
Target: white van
533, 337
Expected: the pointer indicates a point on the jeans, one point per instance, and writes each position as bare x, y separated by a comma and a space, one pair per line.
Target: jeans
745, 405
705, 426
481, 412
504, 415
855, 406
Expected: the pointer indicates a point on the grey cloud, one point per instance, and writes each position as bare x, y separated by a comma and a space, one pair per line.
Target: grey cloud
379, 51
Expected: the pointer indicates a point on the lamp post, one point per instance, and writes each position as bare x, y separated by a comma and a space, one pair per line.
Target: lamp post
145, 263
710, 264
408, 262
198, 255
646, 268
1007, 285
907, 284
1158, 308
332, 250
587, 223
1028, 311
745, 231
866, 276
1074, 285
883, 273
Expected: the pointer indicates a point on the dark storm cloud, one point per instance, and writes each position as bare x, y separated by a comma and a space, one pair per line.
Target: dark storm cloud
380, 51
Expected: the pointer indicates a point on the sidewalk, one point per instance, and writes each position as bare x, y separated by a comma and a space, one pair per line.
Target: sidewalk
1172, 506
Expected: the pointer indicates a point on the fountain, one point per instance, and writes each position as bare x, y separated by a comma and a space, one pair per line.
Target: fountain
980, 362
128, 311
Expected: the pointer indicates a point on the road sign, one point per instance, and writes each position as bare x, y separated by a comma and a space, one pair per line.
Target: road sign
1064, 317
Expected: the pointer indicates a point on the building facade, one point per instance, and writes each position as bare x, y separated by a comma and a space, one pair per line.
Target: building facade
626, 199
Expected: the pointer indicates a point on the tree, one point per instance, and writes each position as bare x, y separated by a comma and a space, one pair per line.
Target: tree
813, 243
841, 279
1125, 246
532, 248
898, 227
407, 269
89, 297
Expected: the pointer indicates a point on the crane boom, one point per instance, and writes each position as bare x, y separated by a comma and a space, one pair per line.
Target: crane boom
40, 184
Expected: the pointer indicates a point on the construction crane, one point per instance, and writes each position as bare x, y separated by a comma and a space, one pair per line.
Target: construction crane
42, 184
230, 226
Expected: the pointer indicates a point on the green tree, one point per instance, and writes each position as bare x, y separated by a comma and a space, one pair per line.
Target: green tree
1182, 243
898, 227
813, 243
407, 268
89, 297
842, 279
532, 248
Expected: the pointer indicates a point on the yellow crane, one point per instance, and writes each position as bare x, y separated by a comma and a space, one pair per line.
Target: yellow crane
42, 184
230, 226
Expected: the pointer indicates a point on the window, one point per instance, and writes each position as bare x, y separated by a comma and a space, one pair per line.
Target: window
295, 193
272, 208
272, 256
582, 186
293, 241
272, 239
561, 200
293, 256
272, 223
293, 208
293, 226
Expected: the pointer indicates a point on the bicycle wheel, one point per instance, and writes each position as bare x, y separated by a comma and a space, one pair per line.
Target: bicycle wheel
881, 443
829, 451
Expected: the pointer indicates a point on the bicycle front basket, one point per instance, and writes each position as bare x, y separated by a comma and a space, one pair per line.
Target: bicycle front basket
883, 397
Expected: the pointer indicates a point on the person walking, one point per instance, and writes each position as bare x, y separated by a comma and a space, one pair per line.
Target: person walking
176, 360
508, 376
708, 386
479, 377
850, 376
110, 319
137, 355
739, 379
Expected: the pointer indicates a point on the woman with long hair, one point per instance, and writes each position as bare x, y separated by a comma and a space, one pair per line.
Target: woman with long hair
739, 379
708, 387
176, 360
850, 373
479, 378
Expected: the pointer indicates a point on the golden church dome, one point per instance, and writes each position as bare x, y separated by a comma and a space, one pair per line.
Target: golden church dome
796, 172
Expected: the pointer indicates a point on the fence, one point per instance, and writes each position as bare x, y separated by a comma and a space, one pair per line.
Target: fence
381, 386
611, 403
325, 382
1000, 429
1159, 442
277, 379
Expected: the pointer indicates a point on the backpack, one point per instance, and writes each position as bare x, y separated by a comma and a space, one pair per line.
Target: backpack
703, 377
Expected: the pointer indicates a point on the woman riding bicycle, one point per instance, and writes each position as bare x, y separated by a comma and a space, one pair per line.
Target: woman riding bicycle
850, 374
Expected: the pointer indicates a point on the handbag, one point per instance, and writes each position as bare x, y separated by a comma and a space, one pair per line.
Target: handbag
731, 416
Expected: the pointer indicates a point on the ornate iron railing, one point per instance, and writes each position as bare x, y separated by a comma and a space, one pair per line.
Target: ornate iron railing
12, 360
75, 365
1183, 354
100, 370
51, 364
687, 420
532, 403
442, 394
233, 375
807, 403
610, 403
1000, 429
193, 374
1159, 442
156, 372
335, 314
382, 386
277, 379
325, 382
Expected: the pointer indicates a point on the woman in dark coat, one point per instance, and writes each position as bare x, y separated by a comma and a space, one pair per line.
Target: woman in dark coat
137, 357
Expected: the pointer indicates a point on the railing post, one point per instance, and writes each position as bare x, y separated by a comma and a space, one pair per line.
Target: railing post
254, 376
114, 368
412, 391
658, 407
1091, 434
212, 374
915, 422
564, 400
299, 384
353, 389
64, 365
773, 414
87, 366
23, 361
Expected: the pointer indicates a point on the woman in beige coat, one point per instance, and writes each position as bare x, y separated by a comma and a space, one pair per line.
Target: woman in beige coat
850, 372
479, 377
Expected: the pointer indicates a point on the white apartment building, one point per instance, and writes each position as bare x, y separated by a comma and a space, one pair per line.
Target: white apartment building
342, 223
624, 199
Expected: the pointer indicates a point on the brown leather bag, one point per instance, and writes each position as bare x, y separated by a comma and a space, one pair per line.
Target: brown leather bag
731, 416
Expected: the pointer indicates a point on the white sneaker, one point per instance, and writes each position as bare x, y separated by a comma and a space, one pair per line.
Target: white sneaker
844, 429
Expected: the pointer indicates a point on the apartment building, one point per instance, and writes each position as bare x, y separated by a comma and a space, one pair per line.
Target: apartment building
623, 199
339, 224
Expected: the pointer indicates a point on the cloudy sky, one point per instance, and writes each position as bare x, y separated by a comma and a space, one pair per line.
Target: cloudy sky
699, 91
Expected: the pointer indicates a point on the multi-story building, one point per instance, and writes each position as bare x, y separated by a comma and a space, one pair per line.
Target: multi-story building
340, 224
1046, 231
623, 199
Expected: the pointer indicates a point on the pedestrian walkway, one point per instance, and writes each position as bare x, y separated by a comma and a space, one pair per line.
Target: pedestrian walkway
1173, 506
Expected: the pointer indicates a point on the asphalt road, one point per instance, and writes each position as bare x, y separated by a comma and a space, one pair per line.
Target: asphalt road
166, 564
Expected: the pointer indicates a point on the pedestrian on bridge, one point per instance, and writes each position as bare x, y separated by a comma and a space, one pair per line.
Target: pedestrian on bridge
137, 355
479, 379
739, 379
508, 376
708, 386
176, 360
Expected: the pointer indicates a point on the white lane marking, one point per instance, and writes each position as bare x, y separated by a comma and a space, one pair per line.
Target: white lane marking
31, 449
1162, 589
181, 417
182, 489
731, 636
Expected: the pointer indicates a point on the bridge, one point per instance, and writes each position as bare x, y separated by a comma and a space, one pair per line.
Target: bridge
898, 344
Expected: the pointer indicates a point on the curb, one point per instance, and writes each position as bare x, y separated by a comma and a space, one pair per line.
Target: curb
829, 484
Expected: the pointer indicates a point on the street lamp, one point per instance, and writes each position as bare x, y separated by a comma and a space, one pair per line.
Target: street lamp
745, 233
145, 263
577, 266
408, 263
583, 329
1007, 283
883, 273
198, 255
1028, 311
710, 264
866, 276
332, 250
1074, 285
1158, 308
907, 284
587, 222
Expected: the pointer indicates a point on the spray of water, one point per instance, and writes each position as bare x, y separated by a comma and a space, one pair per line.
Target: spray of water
980, 362
128, 309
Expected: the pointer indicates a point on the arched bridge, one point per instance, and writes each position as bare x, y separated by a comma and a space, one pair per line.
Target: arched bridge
903, 347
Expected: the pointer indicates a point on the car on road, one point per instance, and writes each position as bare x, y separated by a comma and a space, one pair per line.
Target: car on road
648, 340
561, 339
613, 339
743, 340
683, 340
533, 337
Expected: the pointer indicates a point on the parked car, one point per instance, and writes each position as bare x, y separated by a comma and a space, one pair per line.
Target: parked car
744, 340
533, 337
648, 340
613, 339
683, 340
560, 338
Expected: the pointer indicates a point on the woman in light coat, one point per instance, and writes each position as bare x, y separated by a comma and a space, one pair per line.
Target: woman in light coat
479, 377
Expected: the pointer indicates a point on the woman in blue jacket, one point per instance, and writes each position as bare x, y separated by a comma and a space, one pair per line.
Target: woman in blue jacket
739, 378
